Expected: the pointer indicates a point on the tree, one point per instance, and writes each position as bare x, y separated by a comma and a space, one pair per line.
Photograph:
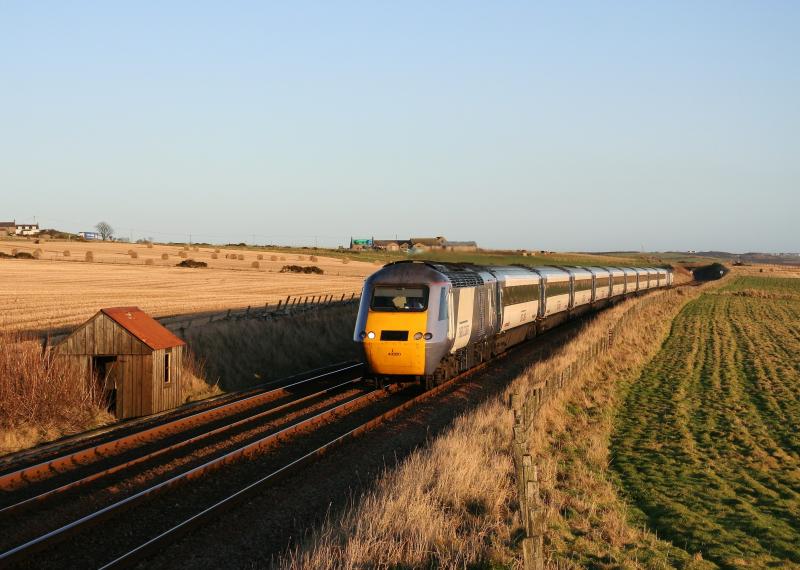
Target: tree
105, 230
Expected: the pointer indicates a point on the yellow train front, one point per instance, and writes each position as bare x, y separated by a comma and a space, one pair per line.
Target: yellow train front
403, 321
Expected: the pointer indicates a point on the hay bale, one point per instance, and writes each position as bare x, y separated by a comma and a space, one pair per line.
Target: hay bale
183, 254
164, 256
259, 257
133, 253
149, 261
214, 256
240, 257
89, 256
255, 265
67, 253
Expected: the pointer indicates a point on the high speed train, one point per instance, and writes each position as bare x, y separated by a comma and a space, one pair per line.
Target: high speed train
429, 321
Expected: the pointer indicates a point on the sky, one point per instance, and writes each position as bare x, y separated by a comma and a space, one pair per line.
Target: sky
580, 126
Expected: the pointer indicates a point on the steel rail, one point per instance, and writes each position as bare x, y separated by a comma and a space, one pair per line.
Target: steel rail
174, 447
169, 536
63, 532
83, 457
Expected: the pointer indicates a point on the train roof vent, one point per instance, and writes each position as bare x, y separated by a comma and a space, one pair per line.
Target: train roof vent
460, 276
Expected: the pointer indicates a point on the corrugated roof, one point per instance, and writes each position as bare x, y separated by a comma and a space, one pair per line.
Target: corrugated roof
143, 326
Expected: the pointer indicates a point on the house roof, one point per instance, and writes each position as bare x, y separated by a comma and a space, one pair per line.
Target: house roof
8, 224
461, 243
428, 241
143, 327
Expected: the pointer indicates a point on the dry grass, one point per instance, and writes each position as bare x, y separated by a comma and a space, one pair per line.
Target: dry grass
239, 354
42, 397
453, 504
40, 295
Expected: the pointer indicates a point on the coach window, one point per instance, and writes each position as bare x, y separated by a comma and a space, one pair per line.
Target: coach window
443, 304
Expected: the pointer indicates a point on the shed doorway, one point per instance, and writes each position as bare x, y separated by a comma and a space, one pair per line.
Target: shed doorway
104, 371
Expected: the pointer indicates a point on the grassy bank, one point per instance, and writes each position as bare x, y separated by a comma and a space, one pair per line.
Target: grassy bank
453, 503
240, 354
707, 446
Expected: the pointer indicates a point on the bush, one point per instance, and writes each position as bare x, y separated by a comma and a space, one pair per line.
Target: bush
67, 253
89, 256
255, 265
133, 254
301, 269
164, 256
192, 263
24, 255
149, 261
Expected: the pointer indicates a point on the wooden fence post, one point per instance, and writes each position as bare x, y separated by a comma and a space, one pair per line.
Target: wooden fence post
533, 544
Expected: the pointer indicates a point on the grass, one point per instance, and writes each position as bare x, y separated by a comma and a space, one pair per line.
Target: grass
452, 503
240, 354
707, 448
42, 397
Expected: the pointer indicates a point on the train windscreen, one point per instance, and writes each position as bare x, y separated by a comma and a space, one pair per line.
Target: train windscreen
412, 298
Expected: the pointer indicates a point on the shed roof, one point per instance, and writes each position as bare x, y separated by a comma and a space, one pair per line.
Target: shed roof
143, 326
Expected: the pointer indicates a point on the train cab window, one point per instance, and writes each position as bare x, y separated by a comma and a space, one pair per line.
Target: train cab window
413, 298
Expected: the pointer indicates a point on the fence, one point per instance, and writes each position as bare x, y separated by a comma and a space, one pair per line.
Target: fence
292, 305
525, 410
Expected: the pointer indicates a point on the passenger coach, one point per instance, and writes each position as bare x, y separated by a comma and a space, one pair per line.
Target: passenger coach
430, 321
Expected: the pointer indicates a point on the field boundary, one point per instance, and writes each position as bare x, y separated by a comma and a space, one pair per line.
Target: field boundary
525, 411
292, 305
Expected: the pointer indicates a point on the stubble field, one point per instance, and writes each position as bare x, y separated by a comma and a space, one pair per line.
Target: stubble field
51, 292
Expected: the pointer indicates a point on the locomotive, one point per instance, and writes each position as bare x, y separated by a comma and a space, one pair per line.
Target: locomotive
429, 321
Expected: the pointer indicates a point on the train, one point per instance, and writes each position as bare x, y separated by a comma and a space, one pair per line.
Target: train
429, 321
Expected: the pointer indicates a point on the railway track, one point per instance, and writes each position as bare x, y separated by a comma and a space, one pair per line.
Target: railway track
390, 404
64, 457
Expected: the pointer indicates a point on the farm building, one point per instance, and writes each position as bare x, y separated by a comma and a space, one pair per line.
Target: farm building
132, 357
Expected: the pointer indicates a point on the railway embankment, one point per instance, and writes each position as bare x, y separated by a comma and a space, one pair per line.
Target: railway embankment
43, 398
456, 502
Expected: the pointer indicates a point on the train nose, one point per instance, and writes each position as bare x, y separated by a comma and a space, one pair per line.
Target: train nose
393, 344
388, 354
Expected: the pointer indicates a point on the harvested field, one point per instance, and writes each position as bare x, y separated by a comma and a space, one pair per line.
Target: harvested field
41, 295
226, 258
707, 447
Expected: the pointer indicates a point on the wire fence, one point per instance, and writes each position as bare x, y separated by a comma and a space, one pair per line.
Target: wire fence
292, 305
525, 410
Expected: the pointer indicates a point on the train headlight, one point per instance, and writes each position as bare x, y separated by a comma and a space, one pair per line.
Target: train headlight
370, 335
362, 335
428, 336
418, 336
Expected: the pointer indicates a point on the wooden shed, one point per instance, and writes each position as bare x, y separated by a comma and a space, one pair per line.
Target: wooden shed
132, 357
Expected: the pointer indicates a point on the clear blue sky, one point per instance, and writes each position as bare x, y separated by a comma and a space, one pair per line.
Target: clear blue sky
563, 125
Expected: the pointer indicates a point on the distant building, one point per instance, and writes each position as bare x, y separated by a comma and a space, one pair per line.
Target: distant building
416, 244
89, 236
15, 229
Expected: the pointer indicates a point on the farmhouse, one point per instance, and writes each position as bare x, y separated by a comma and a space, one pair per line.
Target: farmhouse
415, 243
13, 228
131, 357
